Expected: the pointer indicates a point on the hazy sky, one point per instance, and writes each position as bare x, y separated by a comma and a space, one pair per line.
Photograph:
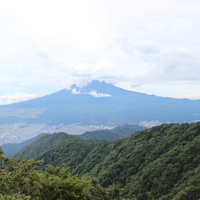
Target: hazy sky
150, 46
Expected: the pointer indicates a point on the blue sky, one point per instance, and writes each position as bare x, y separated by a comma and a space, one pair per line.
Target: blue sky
150, 46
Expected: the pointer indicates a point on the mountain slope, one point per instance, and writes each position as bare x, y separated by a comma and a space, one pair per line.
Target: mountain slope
112, 134
97, 104
101, 103
101, 134
60, 148
158, 163
45, 143
11, 149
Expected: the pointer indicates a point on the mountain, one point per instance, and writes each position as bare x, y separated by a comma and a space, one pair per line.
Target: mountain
101, 134
159, 163
11, 149
112, 134
61, 148
96, 105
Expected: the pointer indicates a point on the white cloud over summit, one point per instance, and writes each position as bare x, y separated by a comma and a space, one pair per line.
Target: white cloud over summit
92, 93
99, 94
147, 46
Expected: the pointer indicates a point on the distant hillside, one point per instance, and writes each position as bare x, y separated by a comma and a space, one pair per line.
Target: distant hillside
11, 149
158, 163
102, 134
49, 141
45, 143
60, 148
116, 133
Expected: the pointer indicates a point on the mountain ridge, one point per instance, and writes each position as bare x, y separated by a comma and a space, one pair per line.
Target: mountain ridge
100, 134
157, 163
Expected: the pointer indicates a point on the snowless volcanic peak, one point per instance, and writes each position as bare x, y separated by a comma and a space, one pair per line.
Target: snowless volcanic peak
96, 104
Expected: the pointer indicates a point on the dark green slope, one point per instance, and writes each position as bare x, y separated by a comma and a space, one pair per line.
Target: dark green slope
158, 163
69, 152
44, 143
116, 133
11, 149
154, 162
49, 140
58, 148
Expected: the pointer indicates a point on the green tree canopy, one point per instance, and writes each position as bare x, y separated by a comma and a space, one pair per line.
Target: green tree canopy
20, 180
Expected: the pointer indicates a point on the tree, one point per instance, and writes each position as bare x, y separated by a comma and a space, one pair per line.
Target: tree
20, 180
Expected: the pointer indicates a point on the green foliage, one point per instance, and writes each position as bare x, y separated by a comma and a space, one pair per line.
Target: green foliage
44, 143
161, 163
20, 181
14, 197
18, 177
59, 148
116, 133
153, 163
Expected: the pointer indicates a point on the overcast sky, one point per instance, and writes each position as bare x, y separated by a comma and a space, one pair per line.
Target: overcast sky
150, 46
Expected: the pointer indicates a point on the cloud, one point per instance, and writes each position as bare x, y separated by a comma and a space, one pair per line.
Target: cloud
175, 89
16, 97
92, 93
75, 91
127, 43
149, 124
99, 94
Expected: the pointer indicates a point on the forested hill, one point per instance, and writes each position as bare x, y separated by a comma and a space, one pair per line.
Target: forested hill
11, 149
158, 163
102, 134
116, 133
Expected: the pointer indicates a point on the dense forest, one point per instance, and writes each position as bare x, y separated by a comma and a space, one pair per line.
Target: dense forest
116, 133
19, 180
158, 163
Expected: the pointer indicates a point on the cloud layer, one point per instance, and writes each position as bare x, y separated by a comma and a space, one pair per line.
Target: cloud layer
146, 46
16, 97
